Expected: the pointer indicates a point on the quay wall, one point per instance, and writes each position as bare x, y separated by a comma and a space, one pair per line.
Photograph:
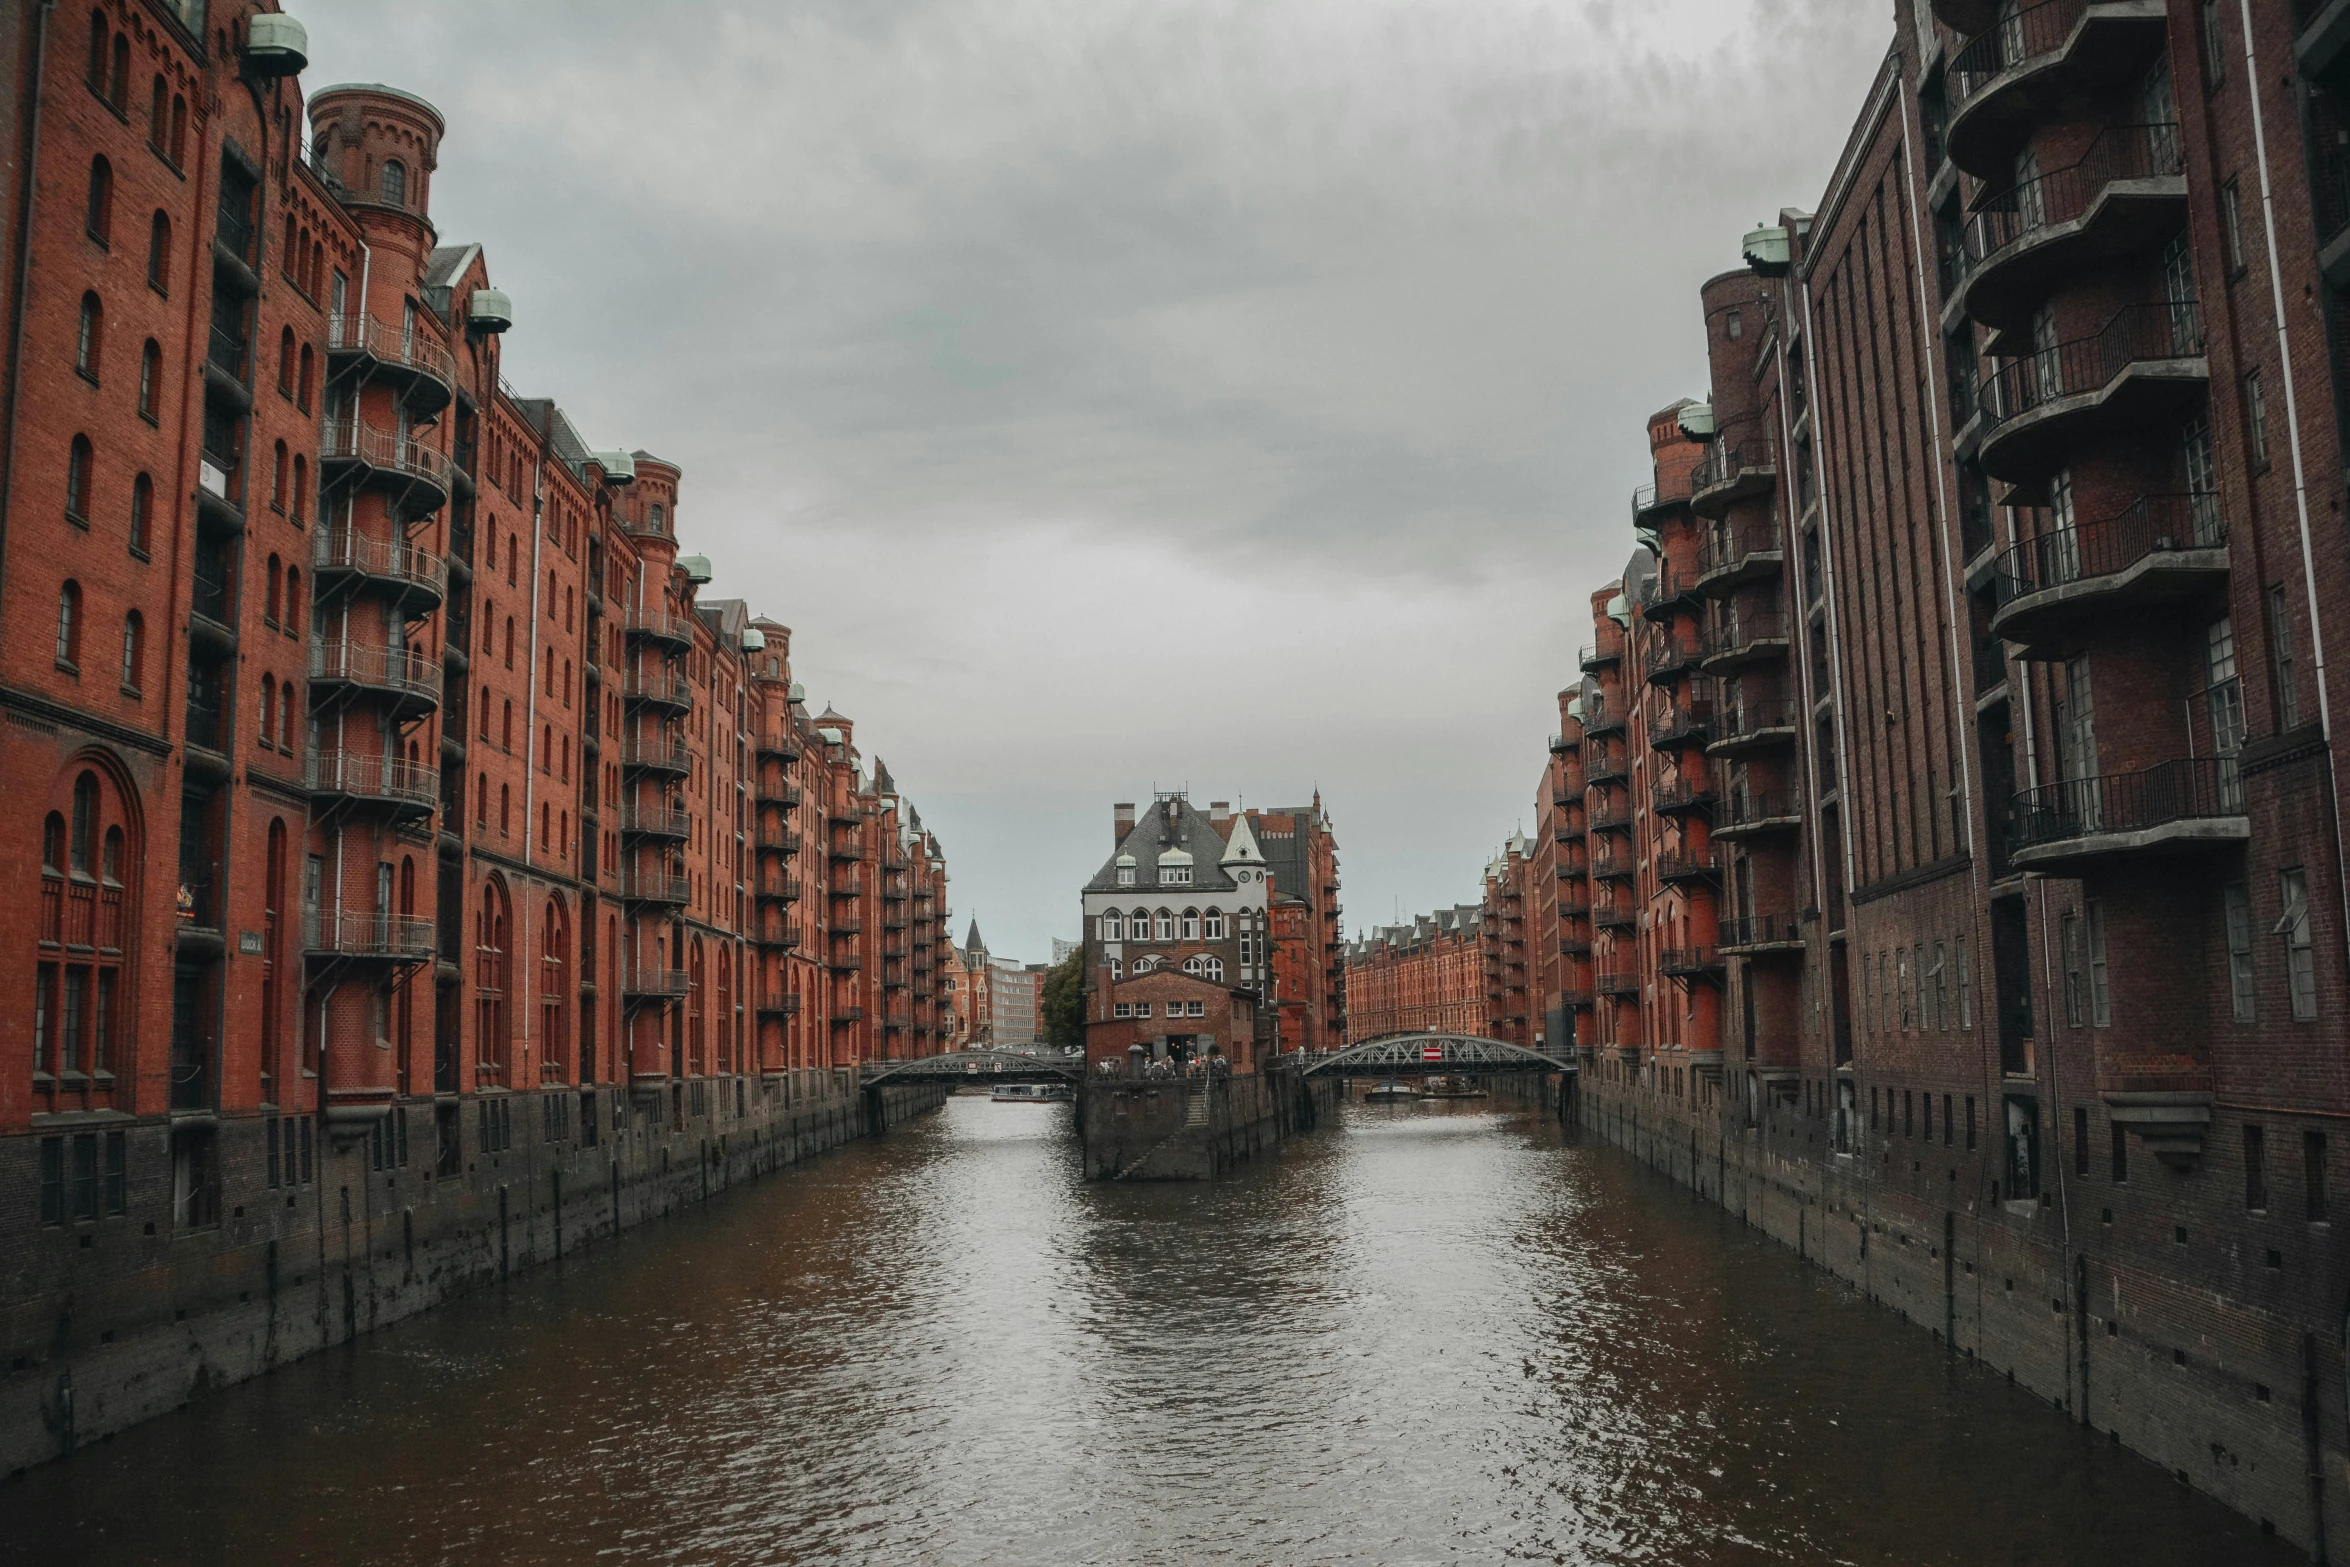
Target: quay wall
2243, 1401
1178, 1130
112, 1323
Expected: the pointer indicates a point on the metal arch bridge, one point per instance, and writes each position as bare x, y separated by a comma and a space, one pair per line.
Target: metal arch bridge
976, 1066
1427, 1055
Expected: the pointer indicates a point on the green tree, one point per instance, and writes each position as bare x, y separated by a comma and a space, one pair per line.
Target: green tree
1064, 1002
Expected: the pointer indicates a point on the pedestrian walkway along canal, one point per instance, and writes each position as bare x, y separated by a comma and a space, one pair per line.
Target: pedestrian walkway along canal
1431, 1333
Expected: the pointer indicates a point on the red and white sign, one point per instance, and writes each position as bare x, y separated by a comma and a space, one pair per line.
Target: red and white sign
1431, 1052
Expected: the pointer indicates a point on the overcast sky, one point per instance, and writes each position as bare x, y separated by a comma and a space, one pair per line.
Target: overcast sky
1240, 394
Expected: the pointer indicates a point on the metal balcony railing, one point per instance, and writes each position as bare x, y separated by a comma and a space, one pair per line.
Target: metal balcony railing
655, 982
661, 685
1760, 930
1725, 463
352, 440
372, 777
2064, 195
1726, 547
1688, 960
409, 671
654, 751
657, 620
2148, 526
774, 839
655, 887
1673, 865
394, 560
656, 821
1744, 720
2189, 789
1745, 810
2135, 334
405, 346
356, 934
1749, 631
2019, 36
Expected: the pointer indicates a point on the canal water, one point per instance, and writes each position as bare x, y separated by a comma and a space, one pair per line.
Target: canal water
1430, 1334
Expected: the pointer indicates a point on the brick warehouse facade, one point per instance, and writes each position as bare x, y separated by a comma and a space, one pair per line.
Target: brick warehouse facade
1950, 781
407, 821
1429, 974
1309, 974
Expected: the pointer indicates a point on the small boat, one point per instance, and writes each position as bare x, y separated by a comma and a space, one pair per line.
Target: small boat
1379, 1093
1032, 1093
1453, 1088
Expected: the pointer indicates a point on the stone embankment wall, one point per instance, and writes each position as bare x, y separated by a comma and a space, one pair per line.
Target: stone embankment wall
2241, 1402
109, 1327
1193, 1130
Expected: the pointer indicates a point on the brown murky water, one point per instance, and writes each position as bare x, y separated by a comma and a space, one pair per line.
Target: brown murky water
1429, 1335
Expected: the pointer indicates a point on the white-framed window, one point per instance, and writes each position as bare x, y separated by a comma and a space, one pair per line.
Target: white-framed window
1139, 922
1175, 875
1142, 1009
1941, 988
1166, 925
1113, 926
1149, 965
1125, 875
1214, 927
1117, 971
2068, 945
2100, 981
2300, 952
1196, 1008
2236, 904
1123, 1009
1191, 924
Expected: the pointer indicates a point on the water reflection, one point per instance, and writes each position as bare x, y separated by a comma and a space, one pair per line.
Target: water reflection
1437, 1334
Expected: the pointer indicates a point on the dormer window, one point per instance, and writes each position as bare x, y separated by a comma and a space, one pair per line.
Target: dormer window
1175, 875
1125, 870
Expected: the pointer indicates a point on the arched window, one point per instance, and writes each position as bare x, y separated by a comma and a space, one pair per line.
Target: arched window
179, 130
481, 801
80, 989
308, 379
509, 641
395, 183
513, 554
485, 712
159, 252
489, 977
268, 709
285, 363
1191, 924
301, 486
142, 512
289, 255
1214, 925
505, 810
78, 462
554, 944
280, 478
1149, 965
273, 901
150, 379
81, 847
506, 733
100, 35
134, 651
89, 337
275, 581
69, 624
1166, 925
159, 117
98, 212
293, 601
53, 844
1140, 923
698, 1024
118, 82
1113, 926
285, 718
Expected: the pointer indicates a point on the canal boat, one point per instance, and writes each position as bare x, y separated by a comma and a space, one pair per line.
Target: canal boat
1380, 1093
1032, 1093
1452, 1088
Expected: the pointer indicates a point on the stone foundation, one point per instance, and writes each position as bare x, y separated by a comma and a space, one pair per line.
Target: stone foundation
1193, 1130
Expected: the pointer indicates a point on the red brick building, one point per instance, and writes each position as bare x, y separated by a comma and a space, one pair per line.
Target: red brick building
1429, 974
1309, 988
1506, 944
391, 796
1954, 760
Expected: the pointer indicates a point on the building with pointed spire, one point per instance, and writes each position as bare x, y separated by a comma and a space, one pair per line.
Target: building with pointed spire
1309, 980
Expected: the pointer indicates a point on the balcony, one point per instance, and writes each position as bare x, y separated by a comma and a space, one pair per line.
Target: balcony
1670, 657
401, 352
1619, 984
1754, 637
394, 568
655, 754
1690, 962
776, 889
854, 887
842, 962
782, 792
2008, 80
1727, 474
778, 1003
1575, 998
1652, 502
775, 932
2159, 553
659, 530
784, 747
1574, 947
2121, 198
356, 449
1731, 556
1754, 814
1594, 659
1668, 593
657, 687
1754, 725
1761, 935
843, 1016
2179, 807
654, 984
1567, 832
770, 838
1602, 718
1679, 867
1605, 770
2144, 369
1574, 908
403, 787
1687, 726
846, 851
1680, 797
658, 623
383, 938
1612, 864
407, 676
656, 821
661, 888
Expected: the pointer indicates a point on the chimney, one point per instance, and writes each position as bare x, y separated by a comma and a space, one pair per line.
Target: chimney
1219, 813
1125, 822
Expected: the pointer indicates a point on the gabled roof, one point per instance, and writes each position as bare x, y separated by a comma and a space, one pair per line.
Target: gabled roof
1243, 850
1170, 824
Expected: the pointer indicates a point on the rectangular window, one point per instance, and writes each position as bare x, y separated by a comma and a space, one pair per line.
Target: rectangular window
2068, 944
1945, 1120
2231, 225
2255, 1173
2280, 659
2215, 47
2256, 420
2080, 1140
2236, 903
1868, 992
1876, 1122
1901, 984
85, 1178
52, 1180
2023, 1150
1966, 991
2100, 981
1941, 987
1909, 1113
2300, 955
1970, 1120
44, 985
1927, 1100
1142, 1009
2313, 1175
118, 1173
274, 1123
2121, 1154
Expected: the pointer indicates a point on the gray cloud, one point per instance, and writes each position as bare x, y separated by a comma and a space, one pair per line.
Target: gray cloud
1241, 392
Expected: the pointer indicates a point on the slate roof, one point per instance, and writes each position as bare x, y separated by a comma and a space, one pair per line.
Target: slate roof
1169, 824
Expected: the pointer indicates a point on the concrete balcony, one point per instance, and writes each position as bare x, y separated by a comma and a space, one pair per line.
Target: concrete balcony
1758, 636
408, 354
351, 449
1731, 473
406, 677
403, 788
1763, 935
391, 568
1732, 556
2122, 198
367, 937
2190, 806
2144, 369
1754, 725
2013, 75
2159, 553
657, 888
656, 821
